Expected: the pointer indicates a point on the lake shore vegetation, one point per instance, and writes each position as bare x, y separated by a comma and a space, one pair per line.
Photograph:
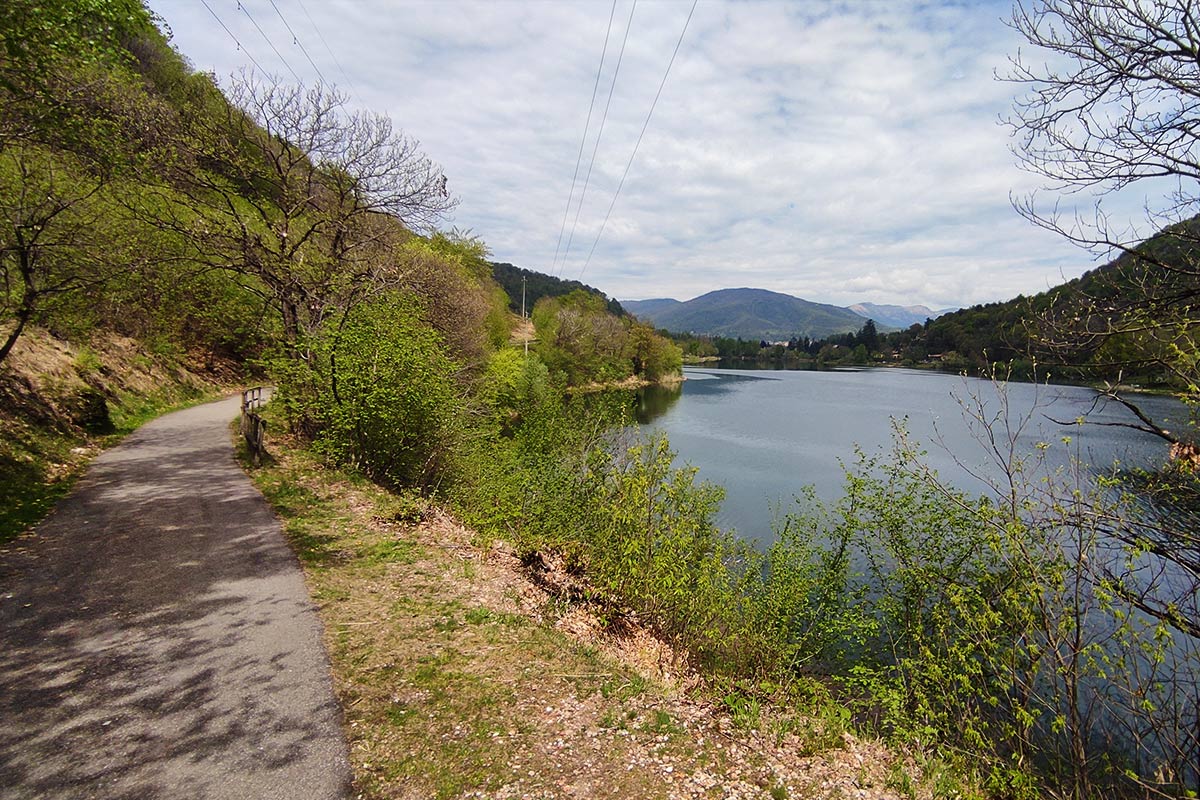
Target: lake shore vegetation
1033, 642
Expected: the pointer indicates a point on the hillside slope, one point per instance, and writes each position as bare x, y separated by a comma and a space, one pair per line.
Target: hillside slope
61, 402
514, 280
649, 309
749, 314
1128, 317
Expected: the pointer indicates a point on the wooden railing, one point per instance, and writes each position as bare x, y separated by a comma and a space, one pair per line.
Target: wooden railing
253, 426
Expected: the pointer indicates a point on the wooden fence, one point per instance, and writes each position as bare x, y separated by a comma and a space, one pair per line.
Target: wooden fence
253, 426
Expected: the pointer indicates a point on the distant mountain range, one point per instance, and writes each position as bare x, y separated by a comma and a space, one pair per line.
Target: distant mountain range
762, 314
888, 316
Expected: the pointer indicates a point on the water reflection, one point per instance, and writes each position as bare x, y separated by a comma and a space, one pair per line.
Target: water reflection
652, 402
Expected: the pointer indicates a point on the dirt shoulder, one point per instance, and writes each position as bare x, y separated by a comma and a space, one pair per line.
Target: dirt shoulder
461, 675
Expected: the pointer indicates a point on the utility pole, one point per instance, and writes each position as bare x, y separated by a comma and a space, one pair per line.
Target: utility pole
523, 315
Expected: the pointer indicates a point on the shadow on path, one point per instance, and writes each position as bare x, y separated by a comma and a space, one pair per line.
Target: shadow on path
156, 636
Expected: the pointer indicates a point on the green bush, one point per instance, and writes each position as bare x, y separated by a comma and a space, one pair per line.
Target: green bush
651, 541
377, 392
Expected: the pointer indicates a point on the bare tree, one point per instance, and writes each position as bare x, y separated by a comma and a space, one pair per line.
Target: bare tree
1117, 98
53, 235
1101, 664
291, 189
1113, 99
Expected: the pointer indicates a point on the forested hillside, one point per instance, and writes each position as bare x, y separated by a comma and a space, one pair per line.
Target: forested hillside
1148, 291
520, 283
261, 227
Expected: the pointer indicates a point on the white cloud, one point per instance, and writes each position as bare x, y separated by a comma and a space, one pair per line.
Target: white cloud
840, 152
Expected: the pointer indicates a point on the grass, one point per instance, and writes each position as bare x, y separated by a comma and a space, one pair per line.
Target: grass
449, 688
37, 468
458, 679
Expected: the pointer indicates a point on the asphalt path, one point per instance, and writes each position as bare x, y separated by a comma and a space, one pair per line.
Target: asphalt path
157, 639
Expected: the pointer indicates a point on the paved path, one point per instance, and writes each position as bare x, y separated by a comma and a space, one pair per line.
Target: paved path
156, 637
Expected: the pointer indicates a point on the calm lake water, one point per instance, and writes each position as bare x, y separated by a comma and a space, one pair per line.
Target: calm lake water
764, 434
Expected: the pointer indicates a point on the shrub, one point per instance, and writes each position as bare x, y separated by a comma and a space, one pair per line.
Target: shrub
381, 393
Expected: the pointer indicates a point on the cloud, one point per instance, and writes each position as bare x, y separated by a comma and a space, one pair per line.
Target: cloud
840, 152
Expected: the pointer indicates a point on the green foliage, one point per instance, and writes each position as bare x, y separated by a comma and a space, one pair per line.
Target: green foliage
651, 541
512, 387
801, 610
536, 285
931, 603
91, 133
639, 528
52, 238
384, 397
31, 479
38, 35
466, 249
580, 340
949, 622
69, 81
653, 357
858, 348
519, 465
461, 303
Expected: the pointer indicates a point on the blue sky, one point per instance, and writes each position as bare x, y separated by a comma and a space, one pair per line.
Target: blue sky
840, 152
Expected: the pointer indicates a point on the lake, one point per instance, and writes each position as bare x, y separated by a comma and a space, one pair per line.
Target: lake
764, 434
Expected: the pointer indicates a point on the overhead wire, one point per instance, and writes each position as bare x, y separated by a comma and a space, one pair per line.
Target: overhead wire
267, 39
240, 46
329, 50
583, 139
296, 41
638, 144
612, 86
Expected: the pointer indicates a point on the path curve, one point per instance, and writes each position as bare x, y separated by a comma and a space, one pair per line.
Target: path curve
157, 639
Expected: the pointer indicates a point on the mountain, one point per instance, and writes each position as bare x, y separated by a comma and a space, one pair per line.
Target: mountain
1150, 293
747, 314
649, 309
889, 316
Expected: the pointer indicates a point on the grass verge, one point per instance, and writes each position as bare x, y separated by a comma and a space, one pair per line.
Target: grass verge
462, 677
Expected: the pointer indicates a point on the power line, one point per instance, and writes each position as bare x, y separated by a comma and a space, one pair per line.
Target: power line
267, 39
583, 139
231, 36
329, 50
639, 139
296, 41
600, 133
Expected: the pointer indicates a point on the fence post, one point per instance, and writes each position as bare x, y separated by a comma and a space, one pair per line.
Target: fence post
253, 427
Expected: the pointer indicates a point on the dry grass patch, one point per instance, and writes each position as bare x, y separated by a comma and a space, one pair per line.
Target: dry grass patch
461, 676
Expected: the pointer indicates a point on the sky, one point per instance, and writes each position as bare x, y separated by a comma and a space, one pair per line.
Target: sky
841, 152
